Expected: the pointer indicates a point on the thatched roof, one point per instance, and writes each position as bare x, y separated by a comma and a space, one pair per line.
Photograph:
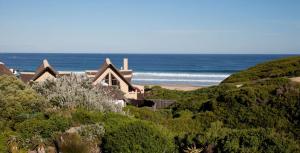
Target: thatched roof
26, 76
44, 67
107, 64
4, 69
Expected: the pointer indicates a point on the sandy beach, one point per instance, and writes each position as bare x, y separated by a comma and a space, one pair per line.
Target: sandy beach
175, 87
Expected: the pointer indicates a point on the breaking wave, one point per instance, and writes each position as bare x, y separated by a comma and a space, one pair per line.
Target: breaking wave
199, 79
177, 80
189, 75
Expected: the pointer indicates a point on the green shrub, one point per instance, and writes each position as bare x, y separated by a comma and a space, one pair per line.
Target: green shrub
138, 137
255, 140
148, 114
16, 100
92, 132
219, 139
3, 143
42, 127
82, 116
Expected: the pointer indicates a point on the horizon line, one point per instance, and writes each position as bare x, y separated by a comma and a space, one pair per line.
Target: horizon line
17, 52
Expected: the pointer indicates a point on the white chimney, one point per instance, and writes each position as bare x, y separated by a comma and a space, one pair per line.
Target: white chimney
125, 63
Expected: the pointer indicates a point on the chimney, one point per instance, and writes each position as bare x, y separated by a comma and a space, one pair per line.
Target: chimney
125, 63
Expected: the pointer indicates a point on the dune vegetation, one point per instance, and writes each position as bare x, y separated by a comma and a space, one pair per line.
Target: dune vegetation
256, 110
285, 67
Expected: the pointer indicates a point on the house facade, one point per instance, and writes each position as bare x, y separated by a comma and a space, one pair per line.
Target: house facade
109, 75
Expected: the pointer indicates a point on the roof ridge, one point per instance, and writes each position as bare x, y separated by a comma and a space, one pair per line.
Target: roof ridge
46, 63
107, 60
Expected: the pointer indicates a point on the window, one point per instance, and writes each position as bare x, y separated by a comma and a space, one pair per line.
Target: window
106, 79
115, 81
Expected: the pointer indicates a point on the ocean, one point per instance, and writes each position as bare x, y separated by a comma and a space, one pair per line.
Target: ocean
185, 69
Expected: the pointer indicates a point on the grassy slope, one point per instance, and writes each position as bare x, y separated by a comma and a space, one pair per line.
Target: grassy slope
270, 102
286, 67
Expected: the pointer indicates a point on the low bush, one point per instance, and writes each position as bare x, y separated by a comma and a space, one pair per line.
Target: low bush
138, 137
17, 100
43, 127
82, 116
255, 140
92, 132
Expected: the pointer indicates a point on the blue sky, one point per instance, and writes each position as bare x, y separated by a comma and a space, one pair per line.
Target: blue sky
150, 26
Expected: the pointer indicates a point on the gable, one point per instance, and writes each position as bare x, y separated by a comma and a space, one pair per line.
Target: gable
45, 76
106, 72
100, 75
42, 72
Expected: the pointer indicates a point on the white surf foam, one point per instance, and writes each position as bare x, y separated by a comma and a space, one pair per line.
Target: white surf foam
178, 80
202, 79
192, 75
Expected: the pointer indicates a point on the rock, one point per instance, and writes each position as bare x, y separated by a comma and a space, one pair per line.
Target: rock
51, 149
73, 129
239, 85
41, 149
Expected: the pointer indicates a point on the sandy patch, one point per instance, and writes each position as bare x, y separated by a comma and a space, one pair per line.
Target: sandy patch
296, 79
178, 87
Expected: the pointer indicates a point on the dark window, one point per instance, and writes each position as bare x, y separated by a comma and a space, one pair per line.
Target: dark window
114, 81
106, 79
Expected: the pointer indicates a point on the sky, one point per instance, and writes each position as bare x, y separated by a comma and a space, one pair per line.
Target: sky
150, 26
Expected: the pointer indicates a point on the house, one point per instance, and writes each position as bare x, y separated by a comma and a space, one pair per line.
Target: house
109, 75
43, 72
4, 70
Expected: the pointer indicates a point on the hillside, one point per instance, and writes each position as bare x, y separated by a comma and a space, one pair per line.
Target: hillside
270, 104
286, 67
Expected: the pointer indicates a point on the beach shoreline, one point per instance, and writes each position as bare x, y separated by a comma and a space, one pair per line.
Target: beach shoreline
181, 87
